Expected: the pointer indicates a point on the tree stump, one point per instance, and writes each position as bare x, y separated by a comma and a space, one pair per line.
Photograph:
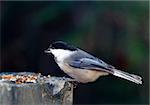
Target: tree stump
27, 88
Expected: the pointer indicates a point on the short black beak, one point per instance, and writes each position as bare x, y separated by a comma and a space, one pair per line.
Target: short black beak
48, 50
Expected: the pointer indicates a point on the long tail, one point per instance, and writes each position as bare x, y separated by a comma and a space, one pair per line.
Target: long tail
127, 76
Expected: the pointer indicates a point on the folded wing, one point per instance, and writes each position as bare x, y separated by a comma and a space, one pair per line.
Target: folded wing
91, 64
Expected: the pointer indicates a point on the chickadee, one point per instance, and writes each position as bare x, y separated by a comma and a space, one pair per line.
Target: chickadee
84, 67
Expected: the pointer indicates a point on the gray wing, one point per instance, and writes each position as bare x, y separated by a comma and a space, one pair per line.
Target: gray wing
84, 60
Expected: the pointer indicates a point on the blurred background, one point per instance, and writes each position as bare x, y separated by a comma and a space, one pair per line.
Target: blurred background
117, 32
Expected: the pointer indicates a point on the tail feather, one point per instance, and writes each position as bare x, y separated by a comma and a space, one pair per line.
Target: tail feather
127, 76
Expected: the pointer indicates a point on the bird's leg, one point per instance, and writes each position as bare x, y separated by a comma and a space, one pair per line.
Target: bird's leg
71, 80
75, 84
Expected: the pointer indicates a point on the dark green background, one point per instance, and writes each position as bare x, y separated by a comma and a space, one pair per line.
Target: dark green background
116, 32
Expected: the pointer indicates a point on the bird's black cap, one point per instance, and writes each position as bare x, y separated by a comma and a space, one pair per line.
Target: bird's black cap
62, 45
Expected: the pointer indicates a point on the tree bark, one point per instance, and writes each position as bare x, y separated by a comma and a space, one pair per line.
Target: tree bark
43, 91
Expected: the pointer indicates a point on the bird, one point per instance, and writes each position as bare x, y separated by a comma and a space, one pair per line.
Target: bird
82, 66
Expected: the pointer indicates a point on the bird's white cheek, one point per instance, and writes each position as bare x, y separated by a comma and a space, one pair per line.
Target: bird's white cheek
60, 54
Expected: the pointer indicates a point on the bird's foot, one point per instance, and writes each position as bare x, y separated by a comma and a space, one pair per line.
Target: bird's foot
75, 84
73, 81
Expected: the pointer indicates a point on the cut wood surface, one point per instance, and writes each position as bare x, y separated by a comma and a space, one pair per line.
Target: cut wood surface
34, 89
